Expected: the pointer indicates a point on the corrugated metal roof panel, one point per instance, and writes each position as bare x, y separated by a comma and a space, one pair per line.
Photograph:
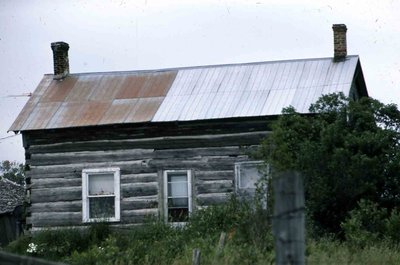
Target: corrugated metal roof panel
41, 115
91, 113
107, 88
229, 91
30, 105
82, 89
57, 91
158, 85
66, 114
146, 85
119, 111
197, 93
145, 110
131, 86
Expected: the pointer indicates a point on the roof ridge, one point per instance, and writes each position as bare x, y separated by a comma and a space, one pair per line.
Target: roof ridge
143, 71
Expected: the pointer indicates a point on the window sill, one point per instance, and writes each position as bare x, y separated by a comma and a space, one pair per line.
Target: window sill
177, 224
101, 220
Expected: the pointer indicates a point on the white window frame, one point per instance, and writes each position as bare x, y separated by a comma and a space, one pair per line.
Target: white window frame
251, 192
238, 178
85, 194
189, 184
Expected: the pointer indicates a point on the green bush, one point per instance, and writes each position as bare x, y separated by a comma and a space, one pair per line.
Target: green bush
54, 244
20, 245
244, 221
347, 151
215, 219
98, 232
366, 224
392, 226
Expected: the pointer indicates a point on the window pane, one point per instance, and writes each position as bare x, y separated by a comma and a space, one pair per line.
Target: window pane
249, 175
178, 215
177, 189
101, 184
177, 177
178, 202
177, 185
102, 207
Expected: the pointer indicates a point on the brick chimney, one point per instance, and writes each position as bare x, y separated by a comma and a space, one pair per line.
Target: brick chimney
339, 42
60, 58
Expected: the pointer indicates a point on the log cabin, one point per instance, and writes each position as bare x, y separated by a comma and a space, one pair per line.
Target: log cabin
123, 146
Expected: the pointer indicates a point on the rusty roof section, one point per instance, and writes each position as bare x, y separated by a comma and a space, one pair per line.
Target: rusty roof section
185, 94
95, 99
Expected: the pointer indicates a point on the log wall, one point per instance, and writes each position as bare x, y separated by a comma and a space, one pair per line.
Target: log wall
56, 158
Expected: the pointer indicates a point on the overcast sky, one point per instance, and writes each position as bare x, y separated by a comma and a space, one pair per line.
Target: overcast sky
132, 35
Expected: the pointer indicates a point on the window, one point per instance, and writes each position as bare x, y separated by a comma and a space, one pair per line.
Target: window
177, 195
247, 175
100, 195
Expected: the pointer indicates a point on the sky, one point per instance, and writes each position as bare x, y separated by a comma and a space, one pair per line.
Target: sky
121, 35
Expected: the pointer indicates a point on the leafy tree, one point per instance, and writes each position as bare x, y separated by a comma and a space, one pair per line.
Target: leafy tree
12, 171
347, 150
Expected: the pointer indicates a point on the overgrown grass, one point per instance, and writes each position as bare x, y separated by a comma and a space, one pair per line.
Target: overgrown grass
247, 228
248, 241
333, 252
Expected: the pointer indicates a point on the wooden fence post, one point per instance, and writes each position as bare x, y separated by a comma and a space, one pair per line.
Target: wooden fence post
196, 256
288, 223
221, 244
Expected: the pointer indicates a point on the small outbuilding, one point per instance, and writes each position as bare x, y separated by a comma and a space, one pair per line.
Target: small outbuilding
123, 146
12, 197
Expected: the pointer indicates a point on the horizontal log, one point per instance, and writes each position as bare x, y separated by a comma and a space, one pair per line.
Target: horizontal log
131, 203
212, 198
130, 154
75, 219
46, 175
56, 182
145, 130
89, 157
56, 194
128, 166
139, 216
215, 175
137, 178
167, 142
214, 186
56, 219
139, 189
135, 203
198, 152
146, 165
64, 206
213, 163
145, 212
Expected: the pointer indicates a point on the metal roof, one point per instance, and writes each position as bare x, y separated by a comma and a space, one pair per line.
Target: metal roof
184, 94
